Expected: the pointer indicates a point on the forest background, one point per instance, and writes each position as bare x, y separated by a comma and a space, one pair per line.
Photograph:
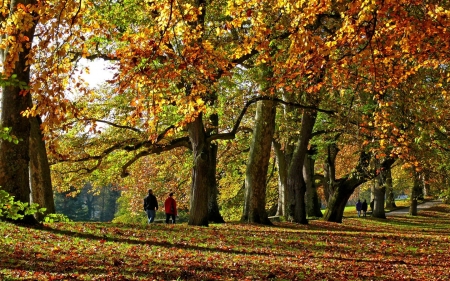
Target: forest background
244, 109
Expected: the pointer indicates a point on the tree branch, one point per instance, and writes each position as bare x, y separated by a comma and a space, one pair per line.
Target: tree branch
148, 143
232, 134
180, 142
111, 124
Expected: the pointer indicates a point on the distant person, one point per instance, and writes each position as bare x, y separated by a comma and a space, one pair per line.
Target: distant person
372, 204
150, 206
364, 207
170, 207
358, 207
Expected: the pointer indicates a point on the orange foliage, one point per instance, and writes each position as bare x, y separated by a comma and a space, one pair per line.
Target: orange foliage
162, 173
171, 54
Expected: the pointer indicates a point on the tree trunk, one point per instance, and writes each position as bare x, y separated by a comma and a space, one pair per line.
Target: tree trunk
198, 214
41, 183
426, 184
339, 199
283, 153
390, 196
296, 182
379, 192
345, 188
415, 193
213, 207
372, 191
257, 165
329, 172
326, 184
282, 180
312, 198
90, 199
446, 184
14, 158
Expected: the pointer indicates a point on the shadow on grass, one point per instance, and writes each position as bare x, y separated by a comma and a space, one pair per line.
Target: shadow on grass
181, 245
316, 241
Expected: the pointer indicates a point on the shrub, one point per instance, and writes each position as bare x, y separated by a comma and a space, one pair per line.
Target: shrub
15, 210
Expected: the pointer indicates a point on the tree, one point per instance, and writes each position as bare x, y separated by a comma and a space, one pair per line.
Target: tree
88, 204
344, 189
189, 93
22, 55
41, 183
14, 56
329, 170
313, 203
257, 166
296, 182
379, 190
172, 57
213, 206
282, 204
71, 205
390, 195
415, 193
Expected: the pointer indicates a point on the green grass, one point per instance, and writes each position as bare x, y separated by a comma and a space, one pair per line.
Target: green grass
398, 248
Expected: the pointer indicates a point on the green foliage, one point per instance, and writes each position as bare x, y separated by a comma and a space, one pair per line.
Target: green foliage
445, 195
15, 209
5, 134
12, 81
56, 218
124, 215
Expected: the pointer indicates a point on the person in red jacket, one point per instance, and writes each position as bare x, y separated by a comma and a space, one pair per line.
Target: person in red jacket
170, 207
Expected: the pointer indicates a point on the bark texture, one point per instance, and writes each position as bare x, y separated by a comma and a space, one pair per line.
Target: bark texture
390, 196
329, 171
213, 207
14, 158
257, 166
198, 214
283, 154
426, 183
379, 192
347, 185
312, 198
344, 189
41, 183
282, 206
415, 193
296, 182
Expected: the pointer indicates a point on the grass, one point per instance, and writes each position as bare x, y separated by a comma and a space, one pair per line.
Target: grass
398, 248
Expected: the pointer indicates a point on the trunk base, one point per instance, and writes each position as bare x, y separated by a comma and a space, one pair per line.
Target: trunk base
28, 220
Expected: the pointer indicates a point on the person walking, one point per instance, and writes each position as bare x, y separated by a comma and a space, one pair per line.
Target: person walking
358, 207
150, 206
364, 207
170, 207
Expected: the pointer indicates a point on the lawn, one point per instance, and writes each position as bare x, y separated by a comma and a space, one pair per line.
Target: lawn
399, 248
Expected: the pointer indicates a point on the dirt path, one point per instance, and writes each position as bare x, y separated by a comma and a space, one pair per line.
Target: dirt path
423, 206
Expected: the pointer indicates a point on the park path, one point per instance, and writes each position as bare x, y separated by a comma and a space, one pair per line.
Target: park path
423, 206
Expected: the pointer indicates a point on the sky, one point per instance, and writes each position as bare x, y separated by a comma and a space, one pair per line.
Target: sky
98, 72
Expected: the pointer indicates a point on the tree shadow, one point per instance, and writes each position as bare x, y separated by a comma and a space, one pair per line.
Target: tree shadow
185, 246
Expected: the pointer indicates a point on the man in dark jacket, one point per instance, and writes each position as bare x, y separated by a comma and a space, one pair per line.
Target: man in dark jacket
359, 207
150, 206
364, 207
